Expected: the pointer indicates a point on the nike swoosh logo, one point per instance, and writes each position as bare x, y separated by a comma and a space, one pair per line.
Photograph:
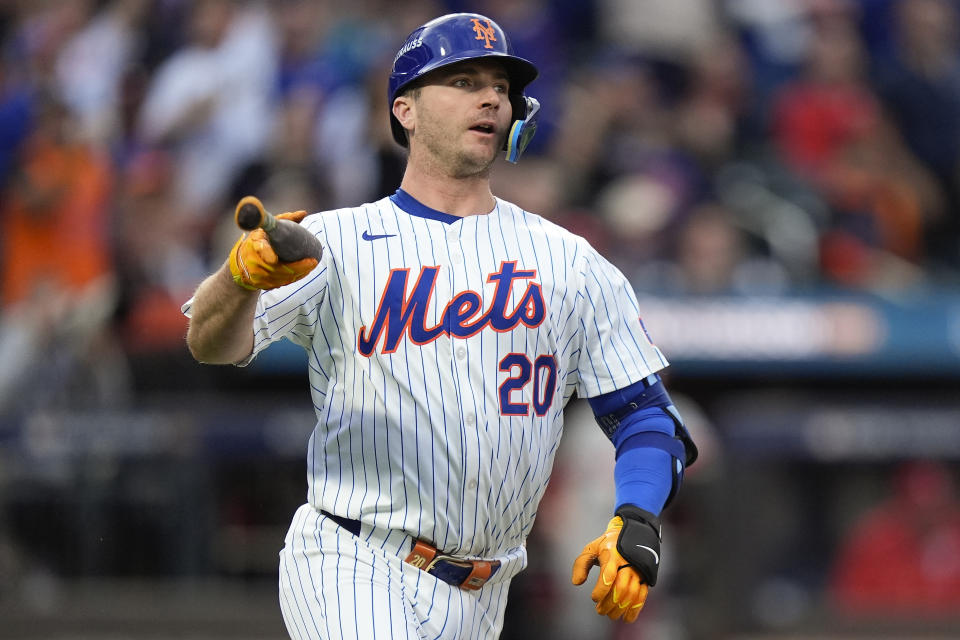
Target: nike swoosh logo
656, 556
367, 236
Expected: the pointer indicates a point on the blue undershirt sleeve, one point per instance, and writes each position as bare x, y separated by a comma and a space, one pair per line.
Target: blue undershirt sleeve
646, 448
643, 474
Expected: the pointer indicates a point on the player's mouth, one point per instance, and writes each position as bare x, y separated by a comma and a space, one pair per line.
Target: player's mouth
485, 128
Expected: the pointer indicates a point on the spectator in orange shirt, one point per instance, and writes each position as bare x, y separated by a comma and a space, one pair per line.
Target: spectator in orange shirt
57, 279
55, 238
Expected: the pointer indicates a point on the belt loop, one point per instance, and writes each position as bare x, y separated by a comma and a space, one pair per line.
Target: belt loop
353, 526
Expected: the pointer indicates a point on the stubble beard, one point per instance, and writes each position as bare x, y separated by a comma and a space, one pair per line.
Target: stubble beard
449, 157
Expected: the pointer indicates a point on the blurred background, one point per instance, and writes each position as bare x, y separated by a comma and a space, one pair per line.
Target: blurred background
779, 180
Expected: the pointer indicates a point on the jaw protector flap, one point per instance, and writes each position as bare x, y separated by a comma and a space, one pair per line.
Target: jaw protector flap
521, 132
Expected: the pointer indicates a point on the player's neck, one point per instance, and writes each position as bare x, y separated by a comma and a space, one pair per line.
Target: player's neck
456, 196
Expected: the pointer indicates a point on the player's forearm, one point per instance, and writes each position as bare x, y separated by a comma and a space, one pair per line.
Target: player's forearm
221, 323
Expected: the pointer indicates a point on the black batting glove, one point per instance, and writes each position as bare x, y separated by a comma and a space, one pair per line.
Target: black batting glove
639, 541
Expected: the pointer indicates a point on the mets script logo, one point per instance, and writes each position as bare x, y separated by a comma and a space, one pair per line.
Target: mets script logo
399, 315
484, 32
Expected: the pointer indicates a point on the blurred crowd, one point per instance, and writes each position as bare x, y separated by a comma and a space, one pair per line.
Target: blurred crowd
707, 147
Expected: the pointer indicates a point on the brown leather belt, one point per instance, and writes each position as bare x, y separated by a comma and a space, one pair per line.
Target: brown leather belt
460, 572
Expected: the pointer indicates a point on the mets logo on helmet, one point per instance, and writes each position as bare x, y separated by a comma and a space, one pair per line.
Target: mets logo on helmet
484, 32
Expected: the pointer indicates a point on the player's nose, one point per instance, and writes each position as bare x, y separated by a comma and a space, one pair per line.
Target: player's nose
490, 96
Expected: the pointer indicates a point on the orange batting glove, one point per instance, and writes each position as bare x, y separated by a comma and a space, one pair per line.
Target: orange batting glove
255, 265
621, 589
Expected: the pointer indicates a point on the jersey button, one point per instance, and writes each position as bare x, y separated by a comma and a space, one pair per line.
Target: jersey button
471, 418
455, 258
472, 484
461, 353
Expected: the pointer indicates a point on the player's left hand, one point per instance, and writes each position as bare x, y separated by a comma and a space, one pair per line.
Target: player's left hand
621, 590
255, 265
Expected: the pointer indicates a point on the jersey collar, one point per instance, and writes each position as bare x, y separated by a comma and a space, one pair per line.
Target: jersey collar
416, 208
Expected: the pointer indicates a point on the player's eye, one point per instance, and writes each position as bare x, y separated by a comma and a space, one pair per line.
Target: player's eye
461, 82
501, 87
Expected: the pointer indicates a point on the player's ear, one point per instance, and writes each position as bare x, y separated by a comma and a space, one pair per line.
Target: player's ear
404, 110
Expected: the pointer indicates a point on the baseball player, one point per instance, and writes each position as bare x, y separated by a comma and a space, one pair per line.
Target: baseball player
446, 330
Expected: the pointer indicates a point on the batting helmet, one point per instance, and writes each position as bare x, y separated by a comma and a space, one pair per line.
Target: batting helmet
465, 36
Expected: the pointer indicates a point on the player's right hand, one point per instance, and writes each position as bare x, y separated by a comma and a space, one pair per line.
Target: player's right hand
254, 264
621, 590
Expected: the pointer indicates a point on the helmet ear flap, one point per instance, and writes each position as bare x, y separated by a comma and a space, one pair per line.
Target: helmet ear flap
399, 133
519, 103
523, 127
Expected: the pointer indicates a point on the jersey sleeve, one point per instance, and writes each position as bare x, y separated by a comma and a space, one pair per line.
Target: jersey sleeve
616, 350
291, 311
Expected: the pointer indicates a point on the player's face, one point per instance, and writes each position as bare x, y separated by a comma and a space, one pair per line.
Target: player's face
462, 116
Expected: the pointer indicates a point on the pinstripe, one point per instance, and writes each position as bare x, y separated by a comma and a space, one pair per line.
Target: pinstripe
474, 626
535, 459
320, 592
298, 589
389, 604
340, 386
480, 436
616, 335
461, 489
511, 449
292, 613
337, 559
484, 366
447, 610
602, 351
501, 530
496, 456
416, 431
305, 590
459, 605
293, 624
329, 420
388, 381
434, 456
374, 432
348, 388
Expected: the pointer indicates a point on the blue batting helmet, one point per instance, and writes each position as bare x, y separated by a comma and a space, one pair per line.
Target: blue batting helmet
464, 36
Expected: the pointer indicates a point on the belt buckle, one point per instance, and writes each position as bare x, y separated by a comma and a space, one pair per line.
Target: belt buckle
466, 564
480, 570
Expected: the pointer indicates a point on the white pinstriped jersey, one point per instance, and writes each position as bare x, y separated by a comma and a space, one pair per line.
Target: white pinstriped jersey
442, 351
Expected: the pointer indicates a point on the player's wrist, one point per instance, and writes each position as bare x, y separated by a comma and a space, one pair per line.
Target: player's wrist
231, 282
639, 541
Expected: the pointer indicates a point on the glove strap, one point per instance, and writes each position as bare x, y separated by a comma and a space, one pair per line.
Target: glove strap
241, 276
639, 541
